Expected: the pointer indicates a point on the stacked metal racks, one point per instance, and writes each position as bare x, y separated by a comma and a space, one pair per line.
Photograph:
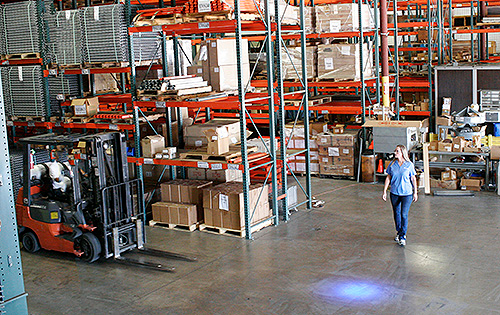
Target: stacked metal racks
23, 89
67, 36
62, 87
19, 28
104, 34
147, 46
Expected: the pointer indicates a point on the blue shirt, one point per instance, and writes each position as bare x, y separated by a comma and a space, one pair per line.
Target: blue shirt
401, 178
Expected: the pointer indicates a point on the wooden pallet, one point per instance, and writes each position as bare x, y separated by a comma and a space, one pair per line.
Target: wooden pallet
107, 91
235, 233
21, 56
171, 226
82, 120
94, 65
74, 66
29, 118
201, 154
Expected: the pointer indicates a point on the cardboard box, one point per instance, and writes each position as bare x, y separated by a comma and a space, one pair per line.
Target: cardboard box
225, 78
151, 145
185, 191
339, 129
330, 139
472, 183
445, 146
222, 52
342, 17
494, 152
223, 176
153, 174
196, 173
458, 144
87, 107
336, 160
200, 71
336, 151
338, 170
445, 184
443, 121
433, 146
341, 61
217, 140
446, 109
194, 134
449, 175
223, 205
175, 213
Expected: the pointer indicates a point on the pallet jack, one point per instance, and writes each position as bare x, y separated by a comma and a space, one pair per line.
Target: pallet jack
87, 206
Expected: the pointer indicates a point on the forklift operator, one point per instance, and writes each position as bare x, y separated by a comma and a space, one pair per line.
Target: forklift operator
60, 182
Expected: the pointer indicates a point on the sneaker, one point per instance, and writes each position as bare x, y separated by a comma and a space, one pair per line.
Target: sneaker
402, 241
396, 239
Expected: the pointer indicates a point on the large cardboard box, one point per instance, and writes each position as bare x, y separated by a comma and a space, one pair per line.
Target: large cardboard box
224, 206
449, 175
443, 121
341, 61
494, 152
175, 213
85, 106
433, 146
223, 176
291, 59
218, 140
337, 170
194, 134
185, 191
458, 144
153, 174
342, 17
336, 151
225, 77
472, 183
336, 160
222, 52
196, 173
336, 140
151, 145
296, 130
445, 184
445, 146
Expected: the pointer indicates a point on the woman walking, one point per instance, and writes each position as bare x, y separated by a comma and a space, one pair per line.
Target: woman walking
401, 177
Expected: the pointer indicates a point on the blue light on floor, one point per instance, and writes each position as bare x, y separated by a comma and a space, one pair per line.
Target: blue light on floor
352, 291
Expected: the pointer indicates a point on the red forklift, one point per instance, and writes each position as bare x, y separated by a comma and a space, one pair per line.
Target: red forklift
86, 205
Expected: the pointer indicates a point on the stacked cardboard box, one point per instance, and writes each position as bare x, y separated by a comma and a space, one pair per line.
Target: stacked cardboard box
292, 62
182, 191
297, 141
343, 17
216, 62
341, 62
336, 154
195, 137
223, 205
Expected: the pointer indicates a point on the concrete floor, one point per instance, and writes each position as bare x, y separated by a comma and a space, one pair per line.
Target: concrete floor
340, 259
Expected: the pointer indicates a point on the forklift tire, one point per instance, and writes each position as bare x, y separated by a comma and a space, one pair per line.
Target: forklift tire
91, 247
30, 242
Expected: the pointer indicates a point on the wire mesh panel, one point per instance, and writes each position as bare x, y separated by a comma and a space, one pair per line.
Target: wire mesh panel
67, 37
147, 46
19, 29
23, 87
61, 87
104, 34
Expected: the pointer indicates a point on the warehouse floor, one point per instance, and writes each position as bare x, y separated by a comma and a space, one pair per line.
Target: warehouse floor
338, 259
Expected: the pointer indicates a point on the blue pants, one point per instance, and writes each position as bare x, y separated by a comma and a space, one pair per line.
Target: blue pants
401, 207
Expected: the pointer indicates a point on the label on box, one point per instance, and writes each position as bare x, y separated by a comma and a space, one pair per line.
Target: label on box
325, 160
149, 161
234, 140
333, 151
80, 110
346, 171
335, 26
216, 166
214, 44
457, 146
222, 132
346, 151
148, 174
323, 140
203, 165
199, 70
345, 50
198, 143
216, 69
215, 138
233, 167
328, 63
204, 6
223, 202
159, 104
